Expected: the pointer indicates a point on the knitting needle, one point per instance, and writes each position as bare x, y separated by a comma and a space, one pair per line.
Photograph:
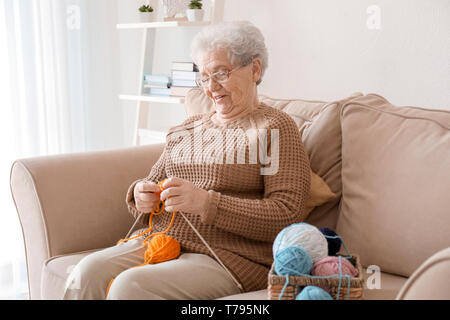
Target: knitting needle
212, 251
134, 225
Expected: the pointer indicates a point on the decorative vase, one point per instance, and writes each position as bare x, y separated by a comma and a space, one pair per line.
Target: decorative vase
195, 14
147, 16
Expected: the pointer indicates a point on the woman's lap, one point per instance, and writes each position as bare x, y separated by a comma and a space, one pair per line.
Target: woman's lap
191, 276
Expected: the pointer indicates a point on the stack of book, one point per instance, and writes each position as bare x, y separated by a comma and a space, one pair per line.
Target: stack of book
183, 78
157, 84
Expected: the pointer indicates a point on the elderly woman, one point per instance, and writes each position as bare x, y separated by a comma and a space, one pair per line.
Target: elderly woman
235, 207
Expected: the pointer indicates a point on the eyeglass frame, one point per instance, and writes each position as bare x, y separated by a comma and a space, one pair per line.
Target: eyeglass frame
228, 73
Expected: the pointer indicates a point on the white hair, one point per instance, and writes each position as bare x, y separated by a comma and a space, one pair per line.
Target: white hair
241, 39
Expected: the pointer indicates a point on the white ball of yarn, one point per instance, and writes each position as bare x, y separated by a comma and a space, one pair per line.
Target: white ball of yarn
305, 235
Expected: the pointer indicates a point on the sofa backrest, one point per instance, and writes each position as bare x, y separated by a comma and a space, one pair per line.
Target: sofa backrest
389, 166
395, 208
318, 122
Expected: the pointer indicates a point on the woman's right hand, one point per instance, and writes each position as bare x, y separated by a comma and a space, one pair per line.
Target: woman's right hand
146, 196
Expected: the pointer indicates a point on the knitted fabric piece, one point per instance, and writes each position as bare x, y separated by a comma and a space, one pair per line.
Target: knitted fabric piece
246, 210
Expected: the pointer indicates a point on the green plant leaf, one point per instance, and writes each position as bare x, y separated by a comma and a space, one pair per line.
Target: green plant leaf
145, 8
195, 4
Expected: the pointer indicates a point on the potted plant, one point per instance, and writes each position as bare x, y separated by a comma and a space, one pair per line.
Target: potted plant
146, 13
195, 11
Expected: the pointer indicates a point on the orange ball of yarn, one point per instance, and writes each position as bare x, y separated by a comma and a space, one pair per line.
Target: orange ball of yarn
162, 248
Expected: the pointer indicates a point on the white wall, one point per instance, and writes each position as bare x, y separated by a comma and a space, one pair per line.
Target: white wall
323, 49
129, 63
104, 124
320, 49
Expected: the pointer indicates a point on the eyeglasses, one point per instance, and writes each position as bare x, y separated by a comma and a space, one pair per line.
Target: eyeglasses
220, 77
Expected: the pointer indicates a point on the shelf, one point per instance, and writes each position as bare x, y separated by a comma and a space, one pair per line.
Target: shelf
163, 99
161, 24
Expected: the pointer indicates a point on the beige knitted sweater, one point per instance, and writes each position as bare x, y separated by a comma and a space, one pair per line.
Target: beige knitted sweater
246, 209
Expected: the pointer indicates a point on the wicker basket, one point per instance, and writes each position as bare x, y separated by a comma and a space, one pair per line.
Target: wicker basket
296, 284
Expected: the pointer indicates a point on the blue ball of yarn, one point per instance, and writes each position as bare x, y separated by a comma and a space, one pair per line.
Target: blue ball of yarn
292, 260
313, 293
334, 244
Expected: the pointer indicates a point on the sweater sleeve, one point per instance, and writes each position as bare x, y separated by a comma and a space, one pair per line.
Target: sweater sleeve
157, 173
285, 193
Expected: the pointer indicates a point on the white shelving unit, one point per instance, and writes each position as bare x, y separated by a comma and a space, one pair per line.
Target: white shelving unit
148, 29
161, 24
149, 98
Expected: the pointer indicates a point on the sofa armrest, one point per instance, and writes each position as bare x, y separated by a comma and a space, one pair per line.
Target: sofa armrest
430, 281
75, 202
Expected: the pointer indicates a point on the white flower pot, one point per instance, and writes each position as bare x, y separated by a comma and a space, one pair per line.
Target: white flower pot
147, 16
195, 14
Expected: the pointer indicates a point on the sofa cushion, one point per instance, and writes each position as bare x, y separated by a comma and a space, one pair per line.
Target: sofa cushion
318, 123
320, 193
396, 179
319, 126
380, 286
55, 271
300, 110
252, 295
427, 281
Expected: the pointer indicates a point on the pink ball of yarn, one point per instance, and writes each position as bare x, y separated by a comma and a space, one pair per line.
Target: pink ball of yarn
330, 265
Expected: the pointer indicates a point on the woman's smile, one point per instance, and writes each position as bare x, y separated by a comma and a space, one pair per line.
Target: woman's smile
219, 98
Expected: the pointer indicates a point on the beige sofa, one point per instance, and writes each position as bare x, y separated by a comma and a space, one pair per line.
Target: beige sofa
389, 166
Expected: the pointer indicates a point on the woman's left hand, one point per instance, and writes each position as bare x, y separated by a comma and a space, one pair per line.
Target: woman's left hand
182, 195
